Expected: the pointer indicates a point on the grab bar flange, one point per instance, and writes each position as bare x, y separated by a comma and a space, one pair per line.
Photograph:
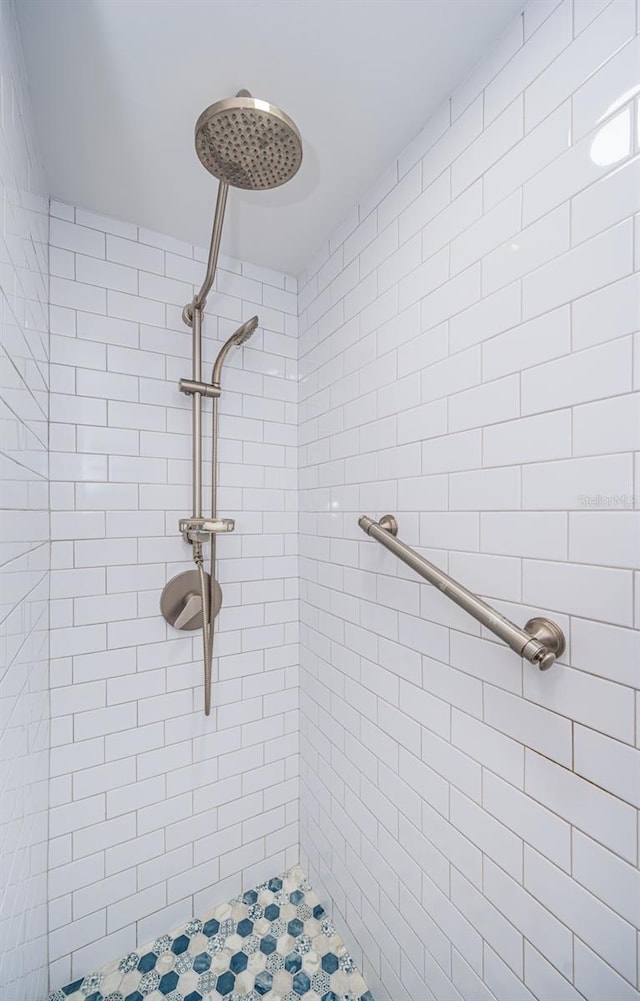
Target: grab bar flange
389, 523
550, 636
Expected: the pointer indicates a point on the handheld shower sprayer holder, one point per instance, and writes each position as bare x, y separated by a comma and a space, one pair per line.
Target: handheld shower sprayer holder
190, 386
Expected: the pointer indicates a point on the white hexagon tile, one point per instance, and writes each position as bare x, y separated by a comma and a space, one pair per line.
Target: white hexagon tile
274, 943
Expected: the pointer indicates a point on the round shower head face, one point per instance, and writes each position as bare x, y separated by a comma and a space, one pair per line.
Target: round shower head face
248, 143
244, 332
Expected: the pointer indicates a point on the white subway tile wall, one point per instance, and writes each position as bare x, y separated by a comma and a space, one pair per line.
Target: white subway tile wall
467, 363
157, 812
468, 360
24, 531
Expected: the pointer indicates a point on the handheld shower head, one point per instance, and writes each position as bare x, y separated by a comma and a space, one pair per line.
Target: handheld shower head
244, 332
237, 339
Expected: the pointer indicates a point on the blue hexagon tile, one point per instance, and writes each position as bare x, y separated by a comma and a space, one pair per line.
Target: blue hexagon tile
275, 943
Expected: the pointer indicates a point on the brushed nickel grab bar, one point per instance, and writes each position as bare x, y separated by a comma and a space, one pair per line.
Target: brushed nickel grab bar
540, 642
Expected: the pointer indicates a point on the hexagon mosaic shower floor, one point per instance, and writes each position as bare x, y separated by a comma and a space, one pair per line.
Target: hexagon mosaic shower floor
274, 943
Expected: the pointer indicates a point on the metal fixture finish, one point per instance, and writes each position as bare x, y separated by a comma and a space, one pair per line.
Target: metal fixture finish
541, 641
196, 414
389, 523
192, 528
200, 299
248, 143
251, 144
237, 339
188, 387
181, 602
548, 633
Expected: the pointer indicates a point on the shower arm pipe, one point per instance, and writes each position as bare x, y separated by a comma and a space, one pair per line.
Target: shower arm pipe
199, 300
540, 642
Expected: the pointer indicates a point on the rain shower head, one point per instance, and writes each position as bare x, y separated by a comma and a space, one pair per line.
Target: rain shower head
248, 143
237, 339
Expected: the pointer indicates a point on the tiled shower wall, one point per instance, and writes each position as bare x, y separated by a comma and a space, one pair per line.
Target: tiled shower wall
467, 363
24, 533
157, 812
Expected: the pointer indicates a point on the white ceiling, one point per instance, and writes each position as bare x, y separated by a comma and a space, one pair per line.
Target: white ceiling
118, 85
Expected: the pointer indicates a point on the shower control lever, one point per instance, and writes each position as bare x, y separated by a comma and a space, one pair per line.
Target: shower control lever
192, 607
